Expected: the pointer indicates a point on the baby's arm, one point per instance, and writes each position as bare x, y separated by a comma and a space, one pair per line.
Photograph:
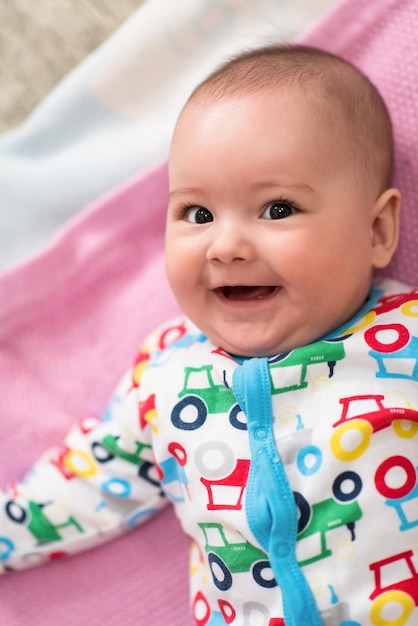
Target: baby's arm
98, 485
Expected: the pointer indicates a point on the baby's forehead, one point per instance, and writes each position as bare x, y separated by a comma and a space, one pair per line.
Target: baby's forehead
237, 120
340, 99
313, 105
276, 106
342, 133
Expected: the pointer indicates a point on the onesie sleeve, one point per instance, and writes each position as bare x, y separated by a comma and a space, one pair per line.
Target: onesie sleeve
99, 484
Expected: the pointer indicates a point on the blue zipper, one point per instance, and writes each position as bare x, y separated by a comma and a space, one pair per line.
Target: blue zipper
270, 505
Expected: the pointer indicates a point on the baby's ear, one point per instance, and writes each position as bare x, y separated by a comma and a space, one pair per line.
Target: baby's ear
385, 227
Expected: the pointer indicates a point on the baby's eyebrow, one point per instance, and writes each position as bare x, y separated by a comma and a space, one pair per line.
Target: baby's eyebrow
262, 183
183, 190
283, 184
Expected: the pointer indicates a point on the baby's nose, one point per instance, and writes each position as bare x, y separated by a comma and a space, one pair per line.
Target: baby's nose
230, 244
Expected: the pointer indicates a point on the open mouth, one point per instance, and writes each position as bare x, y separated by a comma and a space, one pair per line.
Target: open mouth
244, 293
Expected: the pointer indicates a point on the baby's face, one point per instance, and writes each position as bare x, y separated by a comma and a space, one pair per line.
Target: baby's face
269, 234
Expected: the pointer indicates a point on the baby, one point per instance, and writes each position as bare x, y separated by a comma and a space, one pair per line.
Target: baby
280, 415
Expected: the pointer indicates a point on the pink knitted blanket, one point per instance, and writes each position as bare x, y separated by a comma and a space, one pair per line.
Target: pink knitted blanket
73, 317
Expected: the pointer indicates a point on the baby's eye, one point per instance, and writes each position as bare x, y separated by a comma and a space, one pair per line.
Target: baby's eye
198, 215
278, 210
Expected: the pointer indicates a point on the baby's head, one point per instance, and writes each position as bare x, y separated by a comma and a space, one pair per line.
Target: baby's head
281, 203
340, 99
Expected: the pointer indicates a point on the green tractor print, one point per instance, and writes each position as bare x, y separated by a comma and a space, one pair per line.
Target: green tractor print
200, 396
233, 555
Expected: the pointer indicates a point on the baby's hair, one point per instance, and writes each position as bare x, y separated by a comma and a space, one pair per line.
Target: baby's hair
353, 108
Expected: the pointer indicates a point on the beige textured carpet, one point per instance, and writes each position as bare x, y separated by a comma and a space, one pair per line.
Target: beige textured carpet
42, 40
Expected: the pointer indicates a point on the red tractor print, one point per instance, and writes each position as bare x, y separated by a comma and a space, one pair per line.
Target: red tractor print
403, 593
367, 414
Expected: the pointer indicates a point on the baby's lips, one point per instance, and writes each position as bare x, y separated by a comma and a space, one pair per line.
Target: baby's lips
245, 293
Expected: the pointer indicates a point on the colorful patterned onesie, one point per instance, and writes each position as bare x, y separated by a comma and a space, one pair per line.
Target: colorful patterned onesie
295, 476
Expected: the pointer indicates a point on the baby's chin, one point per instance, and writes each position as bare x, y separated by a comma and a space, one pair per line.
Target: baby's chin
247, 346
255, 350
